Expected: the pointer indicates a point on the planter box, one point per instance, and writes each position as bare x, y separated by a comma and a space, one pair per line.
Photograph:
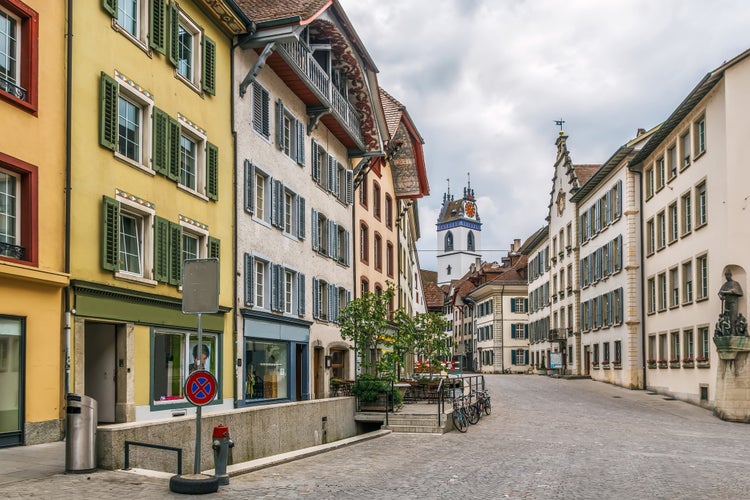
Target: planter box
662, 364
704, 364
688, 364
674, 364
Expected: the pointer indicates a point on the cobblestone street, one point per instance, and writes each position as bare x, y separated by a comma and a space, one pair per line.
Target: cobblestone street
546, 438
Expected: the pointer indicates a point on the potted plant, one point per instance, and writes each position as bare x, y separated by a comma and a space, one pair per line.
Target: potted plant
674, 363
702, 361
617, 364
371, 392
662, 363
651, 363
688, 362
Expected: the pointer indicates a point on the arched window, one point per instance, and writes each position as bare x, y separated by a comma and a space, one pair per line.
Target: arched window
470, 242
449, 241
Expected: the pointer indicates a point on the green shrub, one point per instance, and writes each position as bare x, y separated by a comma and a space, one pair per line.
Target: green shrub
367, 388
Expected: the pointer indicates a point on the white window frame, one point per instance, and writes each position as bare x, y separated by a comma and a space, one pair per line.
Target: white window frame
687, 282
17, 212
146, 216
701, 270
196, 65
674, 222
289, 282
189, 339
686, 205
132, 93
701, 204
674, 287
194, 134
261, 283
700, 135
196, 232
140, 38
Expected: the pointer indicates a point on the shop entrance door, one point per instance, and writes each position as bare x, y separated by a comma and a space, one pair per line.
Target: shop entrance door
100, 368
11, 380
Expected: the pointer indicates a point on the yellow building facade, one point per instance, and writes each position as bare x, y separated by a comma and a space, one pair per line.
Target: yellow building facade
32, 260
152, 166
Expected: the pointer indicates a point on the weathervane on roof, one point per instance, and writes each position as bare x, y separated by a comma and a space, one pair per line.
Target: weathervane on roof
560, 123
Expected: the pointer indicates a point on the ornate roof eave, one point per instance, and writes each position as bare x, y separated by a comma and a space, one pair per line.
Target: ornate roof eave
227, 15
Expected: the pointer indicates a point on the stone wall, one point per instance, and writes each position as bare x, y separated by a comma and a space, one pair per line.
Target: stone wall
257, 432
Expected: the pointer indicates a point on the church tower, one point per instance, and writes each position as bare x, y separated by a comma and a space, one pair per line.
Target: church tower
458, 235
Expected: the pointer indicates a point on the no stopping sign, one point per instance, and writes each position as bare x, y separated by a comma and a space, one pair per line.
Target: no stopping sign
200, 387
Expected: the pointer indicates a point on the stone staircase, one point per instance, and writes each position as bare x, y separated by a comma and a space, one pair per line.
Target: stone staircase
418, 423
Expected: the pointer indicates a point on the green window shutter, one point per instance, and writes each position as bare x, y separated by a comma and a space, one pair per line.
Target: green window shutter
214, 248
512, 305
110, 234
513, 331
175, 254
174, 42
108, 112
158, 25
110, 7
161, 249
209, 66
513, 356
173, 135
212, 171
160, 158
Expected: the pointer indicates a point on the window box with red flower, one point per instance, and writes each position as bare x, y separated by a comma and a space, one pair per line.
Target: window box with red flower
688, 362
662, 363
674, 363
702, 362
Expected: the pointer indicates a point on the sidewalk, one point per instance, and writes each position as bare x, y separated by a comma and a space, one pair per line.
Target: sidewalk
23, 463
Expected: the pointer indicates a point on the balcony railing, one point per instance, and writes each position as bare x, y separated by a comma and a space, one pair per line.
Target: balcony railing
12, 251
12, 89
298, 55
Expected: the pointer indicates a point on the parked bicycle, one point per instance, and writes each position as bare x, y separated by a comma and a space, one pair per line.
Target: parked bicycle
483, 401
460, 421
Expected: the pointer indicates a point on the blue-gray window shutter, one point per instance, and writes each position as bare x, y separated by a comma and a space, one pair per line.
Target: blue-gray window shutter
300, 294
314, 229
314, 161
276, 287
315, 298
346, 249
619, 251
620, 305
249, 275
331, 172
332, 239
249, 187
619, 198
349, 187
300, 218
279, 124
332, 299
300, 127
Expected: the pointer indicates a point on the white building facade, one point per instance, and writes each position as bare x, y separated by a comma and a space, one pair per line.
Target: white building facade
695, 227
297, 128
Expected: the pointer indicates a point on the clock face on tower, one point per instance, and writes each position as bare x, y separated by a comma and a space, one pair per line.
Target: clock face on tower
470, 209
560, 202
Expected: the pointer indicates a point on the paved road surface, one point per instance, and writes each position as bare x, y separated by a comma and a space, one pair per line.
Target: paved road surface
546, 438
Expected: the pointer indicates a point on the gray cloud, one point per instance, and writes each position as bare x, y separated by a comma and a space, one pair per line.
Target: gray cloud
485, 79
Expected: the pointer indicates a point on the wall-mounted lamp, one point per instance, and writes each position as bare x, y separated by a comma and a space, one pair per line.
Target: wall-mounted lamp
328, 361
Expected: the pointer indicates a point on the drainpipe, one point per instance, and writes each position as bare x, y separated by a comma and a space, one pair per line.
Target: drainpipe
239, 340
642, 261
68, 174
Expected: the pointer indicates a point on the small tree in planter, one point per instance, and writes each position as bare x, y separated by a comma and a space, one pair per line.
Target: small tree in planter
364, 321
430, 340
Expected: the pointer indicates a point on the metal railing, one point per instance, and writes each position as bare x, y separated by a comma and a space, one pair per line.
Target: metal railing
128, 444
300, 56
448, 387
13, 251
12, 89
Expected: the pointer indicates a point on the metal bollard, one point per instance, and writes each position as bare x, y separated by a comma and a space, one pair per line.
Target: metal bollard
221, 445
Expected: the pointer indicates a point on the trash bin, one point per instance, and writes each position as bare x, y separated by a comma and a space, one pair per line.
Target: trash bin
80, 434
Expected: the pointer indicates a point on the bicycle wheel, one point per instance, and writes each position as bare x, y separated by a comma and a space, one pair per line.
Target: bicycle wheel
459, 422
487, 407
472, 414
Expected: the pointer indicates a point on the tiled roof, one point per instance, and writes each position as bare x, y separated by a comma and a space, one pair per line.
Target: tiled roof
393, 111
428, 276
262, 11
434, 295
584, 172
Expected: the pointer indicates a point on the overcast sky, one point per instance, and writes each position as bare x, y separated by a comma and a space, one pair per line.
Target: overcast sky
484, 81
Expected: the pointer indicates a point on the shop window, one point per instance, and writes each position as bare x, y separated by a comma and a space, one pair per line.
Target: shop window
176, 354
267, 366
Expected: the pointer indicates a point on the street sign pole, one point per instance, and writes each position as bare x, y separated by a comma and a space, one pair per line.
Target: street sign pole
197, 466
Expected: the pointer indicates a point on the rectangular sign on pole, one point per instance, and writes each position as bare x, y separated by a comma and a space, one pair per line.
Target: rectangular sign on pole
555, 360
200, 286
